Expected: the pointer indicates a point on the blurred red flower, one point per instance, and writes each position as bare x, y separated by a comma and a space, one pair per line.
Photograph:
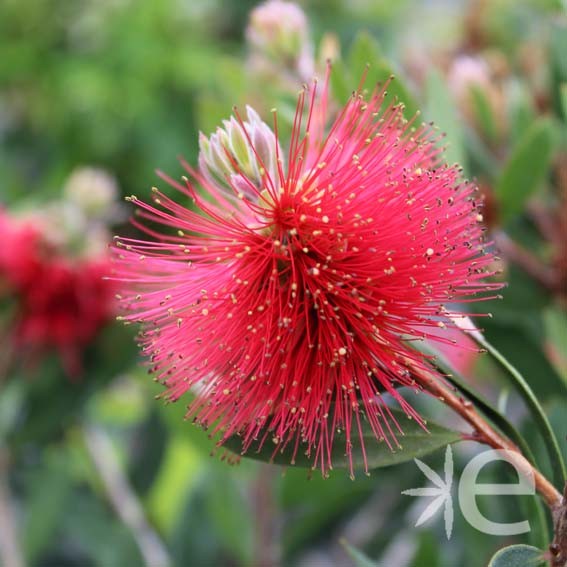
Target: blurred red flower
58, 302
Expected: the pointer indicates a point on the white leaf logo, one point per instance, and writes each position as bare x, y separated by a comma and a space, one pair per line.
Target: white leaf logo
441, 491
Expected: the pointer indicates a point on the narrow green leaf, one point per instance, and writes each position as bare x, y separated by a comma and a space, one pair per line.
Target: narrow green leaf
480, 402
563, 93
442, 111
226, 505
555, 321
558, 48
365, 56
557, 43
178, 473
529, 354
526, 168
538, 414
481, 159
359, 559
415, 442
340, 82
521, 114
541, 530
518, 556
483, 113
429, 550
397, 88
94, 529
364, 51
540, 535
195, 539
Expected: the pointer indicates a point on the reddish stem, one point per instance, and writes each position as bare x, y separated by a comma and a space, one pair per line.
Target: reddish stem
485, 433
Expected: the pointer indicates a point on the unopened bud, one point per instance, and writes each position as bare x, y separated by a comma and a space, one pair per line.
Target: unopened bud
241, 155
473, 79
278, 33
329, 49
466, 73
91, 189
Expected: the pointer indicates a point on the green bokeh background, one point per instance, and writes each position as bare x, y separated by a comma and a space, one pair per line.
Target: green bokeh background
126, 85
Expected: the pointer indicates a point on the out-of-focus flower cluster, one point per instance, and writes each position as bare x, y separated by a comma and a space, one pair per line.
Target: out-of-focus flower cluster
52, 266
279, 42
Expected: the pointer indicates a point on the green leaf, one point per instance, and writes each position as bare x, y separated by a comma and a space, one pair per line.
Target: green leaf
441, 110
230, 512
216, 524
483, 113
397, 88
555, 321
481, 158
518, 556
563, 93
415, 442
179, 470
522, 303
365, 56
428, 552
359, 559
534, 505
364, 51
558, 48
558, 65
320, 504
11, 400
49, 492
521, 112
526, 168
95, 531
480, 402
340, 82
529, 356
147, 449
538, 414
195, 539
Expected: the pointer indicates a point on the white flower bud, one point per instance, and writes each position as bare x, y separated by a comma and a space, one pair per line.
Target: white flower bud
278, 35
240, 155
466, 73
92, 190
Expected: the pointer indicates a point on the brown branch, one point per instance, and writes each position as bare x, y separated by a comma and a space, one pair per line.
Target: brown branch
527, 261
547, 221
558, 549
485, 433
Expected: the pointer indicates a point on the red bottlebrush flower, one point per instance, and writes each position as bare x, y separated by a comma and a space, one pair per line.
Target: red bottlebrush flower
289, 306
61, 303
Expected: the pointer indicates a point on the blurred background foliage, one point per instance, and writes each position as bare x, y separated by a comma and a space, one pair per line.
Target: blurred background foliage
97, 471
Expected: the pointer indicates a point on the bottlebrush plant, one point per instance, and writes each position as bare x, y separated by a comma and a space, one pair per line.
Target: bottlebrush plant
289, 298
353, 287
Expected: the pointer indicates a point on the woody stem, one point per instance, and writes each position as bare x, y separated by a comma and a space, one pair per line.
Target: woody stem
485, 433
